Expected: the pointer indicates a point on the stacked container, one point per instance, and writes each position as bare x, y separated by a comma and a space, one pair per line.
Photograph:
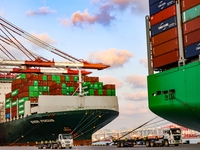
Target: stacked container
28, 87
164, 33
191, 27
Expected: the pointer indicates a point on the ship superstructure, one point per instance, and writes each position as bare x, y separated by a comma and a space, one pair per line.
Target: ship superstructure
173, 56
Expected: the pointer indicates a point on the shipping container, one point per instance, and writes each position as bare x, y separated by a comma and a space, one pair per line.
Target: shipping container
166, 59
191, 13
160, 5
8, 116
192, 50
187, 4
163, 15
151, 2
164, 36
164, 26
192, 38
165, 47
191, 25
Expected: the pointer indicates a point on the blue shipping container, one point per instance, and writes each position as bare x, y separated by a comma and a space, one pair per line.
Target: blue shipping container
163, 26
192, 50
7, 115
160, 5
151, 2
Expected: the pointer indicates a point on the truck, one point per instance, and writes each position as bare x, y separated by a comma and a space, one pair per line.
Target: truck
171, 136
63, 141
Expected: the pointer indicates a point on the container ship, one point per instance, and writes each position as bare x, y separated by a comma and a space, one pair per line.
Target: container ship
40, 99
173, 48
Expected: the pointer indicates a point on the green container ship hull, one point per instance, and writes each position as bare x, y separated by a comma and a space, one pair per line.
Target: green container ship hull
175, 95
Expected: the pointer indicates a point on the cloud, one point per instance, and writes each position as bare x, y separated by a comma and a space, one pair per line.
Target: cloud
79, 19
133, 109
143, 61
112, 57
111, 80
41, 11
44, 37
137, 6
105, 13
139, 96
137, 81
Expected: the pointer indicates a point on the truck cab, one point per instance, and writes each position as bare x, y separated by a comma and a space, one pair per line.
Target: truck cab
172, 136
65, 140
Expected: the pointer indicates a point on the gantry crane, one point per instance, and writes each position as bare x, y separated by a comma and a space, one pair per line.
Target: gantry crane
36, 63
7, 37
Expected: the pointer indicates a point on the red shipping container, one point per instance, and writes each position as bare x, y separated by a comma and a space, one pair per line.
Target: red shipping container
7, 110
14, 114
14, 108
192, 38
166, 59
164, 36
44, 83
8, 95
163, 15
165, 47
191, 25
187, 4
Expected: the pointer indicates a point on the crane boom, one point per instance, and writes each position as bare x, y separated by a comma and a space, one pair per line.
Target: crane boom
40, 63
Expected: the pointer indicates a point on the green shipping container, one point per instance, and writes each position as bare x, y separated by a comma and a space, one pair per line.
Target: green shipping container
91, 92
14, 103
191, 13
113, 92
8, 100
7, 106
44, 77
33, 88
100, 92
20, 107
21, 112
109, 92
63, 86
75, 78
96, 85
35, 83
21, 76
15, 92
53, 77
57, 78
45, 88
64, 91
33, 94
22, 100
40, 88
71, 89
67, 78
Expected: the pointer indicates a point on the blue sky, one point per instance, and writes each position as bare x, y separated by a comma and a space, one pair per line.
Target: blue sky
106, 31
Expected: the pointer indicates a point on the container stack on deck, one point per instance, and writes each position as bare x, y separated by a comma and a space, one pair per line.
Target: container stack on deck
191, 27
28, 87
164, 33
164, 30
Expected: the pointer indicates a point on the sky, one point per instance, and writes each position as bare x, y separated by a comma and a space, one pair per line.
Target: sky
107, 31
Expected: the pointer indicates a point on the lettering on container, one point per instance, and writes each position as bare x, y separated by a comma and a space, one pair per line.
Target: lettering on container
198, 47
161, 5
42, 121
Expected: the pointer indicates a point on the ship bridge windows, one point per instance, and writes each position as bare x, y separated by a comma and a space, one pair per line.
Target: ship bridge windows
168, 94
